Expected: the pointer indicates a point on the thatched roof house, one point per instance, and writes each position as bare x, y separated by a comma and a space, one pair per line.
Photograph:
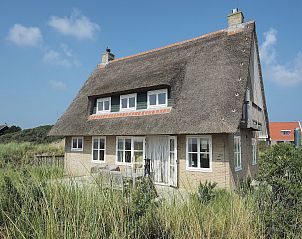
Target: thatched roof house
212, 84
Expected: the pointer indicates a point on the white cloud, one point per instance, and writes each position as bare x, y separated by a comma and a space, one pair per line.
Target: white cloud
286, 74
75, 25
58, 85
64, 58
25, 36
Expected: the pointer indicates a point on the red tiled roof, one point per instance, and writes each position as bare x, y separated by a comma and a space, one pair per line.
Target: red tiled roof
277, 127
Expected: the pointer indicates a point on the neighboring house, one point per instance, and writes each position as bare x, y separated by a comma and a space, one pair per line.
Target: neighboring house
194, 108
3, 128
281, 132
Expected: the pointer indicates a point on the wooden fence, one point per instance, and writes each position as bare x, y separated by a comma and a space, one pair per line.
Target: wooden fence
52, 160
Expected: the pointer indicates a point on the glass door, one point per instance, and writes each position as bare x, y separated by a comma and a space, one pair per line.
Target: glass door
173, 161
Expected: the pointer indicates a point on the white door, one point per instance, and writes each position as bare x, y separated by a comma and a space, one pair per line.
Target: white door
162, 152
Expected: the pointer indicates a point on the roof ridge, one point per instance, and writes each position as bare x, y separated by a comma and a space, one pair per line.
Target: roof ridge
174, 44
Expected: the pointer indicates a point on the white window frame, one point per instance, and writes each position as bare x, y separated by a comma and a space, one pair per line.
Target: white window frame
198, 168
176, 161
285, 130
237, 160
77, 138
132, 149
98, 161
254, 151
103, 101
157, 92
127, 97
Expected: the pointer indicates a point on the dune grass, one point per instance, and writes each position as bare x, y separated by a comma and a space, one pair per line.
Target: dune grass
33, 205
20, 154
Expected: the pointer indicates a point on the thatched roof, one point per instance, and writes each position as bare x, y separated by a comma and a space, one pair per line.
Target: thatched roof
207, 77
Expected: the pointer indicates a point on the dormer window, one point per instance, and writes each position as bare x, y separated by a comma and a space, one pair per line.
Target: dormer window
157, 98
128, 102
285, 132
103, 105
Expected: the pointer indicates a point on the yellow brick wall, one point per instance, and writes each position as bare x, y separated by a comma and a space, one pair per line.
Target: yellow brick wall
220, 166
80, 163
246, 158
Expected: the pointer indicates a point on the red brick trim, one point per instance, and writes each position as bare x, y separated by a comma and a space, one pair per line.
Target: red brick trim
130, 113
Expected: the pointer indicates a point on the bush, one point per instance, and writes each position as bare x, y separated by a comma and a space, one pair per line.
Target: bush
280, 193
206, 191
36, 135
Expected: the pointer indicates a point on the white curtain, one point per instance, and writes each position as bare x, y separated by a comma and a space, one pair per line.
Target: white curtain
158, 151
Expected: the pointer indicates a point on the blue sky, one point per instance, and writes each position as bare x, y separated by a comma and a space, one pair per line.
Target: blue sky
49, 48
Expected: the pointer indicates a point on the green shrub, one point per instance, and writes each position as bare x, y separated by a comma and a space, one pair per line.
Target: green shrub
280, 192
206, 191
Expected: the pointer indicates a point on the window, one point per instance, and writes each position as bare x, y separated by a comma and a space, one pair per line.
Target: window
285, 132
237, 153
77, 144
103, 105
254, 151
130, 150
98, 149
128, 102
199, 153
157, 98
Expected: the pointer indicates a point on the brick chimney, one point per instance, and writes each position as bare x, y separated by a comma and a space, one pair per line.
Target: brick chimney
235, 18
107, 56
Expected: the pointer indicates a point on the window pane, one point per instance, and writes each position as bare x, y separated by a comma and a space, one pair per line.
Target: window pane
106, 105
172, 160
138, 144
193, 145
204, 145
100, 106
128, 144
162, 98
95, 144
138, 157
192, 160
95, 155
124, 103
120, 156
102, 155
131, 102
204, 161
152, 99
80, 143
171, 144
74, 143
120, 144
128, 156
102, 143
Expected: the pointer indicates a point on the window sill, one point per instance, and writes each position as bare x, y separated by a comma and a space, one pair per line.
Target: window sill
149, 107
254, 164
203, 170
98, 161
76, 150
238, 169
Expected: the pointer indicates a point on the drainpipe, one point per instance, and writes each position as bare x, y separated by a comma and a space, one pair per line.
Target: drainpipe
297, 135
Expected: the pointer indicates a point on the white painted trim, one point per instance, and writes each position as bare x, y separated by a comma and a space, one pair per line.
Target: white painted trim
254, 143
77, 149
152, 92
103, 100
105, 146
176, 162
240, 166
128, 96
198, 169
132, 149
